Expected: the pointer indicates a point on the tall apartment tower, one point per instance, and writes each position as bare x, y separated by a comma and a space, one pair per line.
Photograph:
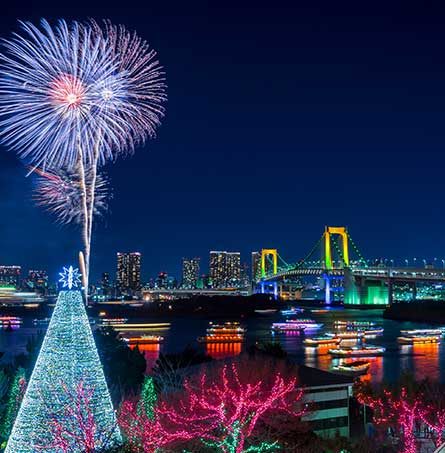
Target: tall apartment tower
190, 272
233, 269
256, 266
217, 268
128, 276
225, 269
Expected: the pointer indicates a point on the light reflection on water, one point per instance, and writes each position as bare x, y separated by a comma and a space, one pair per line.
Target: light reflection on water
421, 360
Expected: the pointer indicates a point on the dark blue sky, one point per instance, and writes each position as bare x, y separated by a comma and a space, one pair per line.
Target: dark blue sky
282, 117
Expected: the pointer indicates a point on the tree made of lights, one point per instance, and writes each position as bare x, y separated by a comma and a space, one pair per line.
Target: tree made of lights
68, 356
15, 397
221, 412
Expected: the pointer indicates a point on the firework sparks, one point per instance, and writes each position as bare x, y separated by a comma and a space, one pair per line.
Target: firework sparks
60, 193
133, 96
63, 90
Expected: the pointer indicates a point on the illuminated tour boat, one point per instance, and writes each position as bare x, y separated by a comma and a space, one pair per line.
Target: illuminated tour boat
348, 324
292, 311
373, 331
347, 335
113, 321
413, 332
229, 332
41, 321
321, 341
10, 323
358, 350
296, 324
144, 339
419, 339
226, 328
357, 367
10, 320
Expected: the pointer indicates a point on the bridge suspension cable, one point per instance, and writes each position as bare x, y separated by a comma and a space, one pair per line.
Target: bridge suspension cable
340, 253
356, 250
317, 244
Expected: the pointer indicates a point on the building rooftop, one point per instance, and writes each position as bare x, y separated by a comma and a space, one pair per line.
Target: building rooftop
314, 377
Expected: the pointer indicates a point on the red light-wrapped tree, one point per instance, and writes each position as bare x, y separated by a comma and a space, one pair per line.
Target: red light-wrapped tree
221, 408
397, 414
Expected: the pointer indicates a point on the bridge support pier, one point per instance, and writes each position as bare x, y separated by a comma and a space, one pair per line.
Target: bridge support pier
327, 289
269, 288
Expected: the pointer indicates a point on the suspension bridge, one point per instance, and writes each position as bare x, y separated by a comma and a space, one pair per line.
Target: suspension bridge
336, 260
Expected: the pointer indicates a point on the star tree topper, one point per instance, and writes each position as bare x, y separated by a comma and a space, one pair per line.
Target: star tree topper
70, 277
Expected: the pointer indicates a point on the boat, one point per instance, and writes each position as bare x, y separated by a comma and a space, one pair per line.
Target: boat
419, 339
414, 332
319, 310
357, 351
221, 338
321, 341
287, 327
112, 321
347, 335
10, 320
266, 311
292, 311
226, 328
373, 331
41, 322
293, 324
144, 339
351, 323
357, 367
229, 332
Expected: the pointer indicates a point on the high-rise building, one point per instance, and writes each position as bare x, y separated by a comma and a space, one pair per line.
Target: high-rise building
217, 269
128, 276
10, 275
225, 269
37, 279
190, 272
244, 275
106, 283
233, 266
256, 266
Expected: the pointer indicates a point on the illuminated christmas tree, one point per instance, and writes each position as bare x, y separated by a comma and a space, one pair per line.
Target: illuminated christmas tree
16, 393
68, 357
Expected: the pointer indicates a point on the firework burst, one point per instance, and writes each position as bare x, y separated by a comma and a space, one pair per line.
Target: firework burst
60, 193
78, 92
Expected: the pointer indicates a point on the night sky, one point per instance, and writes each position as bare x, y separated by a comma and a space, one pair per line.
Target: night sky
282, 117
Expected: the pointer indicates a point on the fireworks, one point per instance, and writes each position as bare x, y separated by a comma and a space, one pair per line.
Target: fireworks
60, 192
73, 97
135, 104
78, 92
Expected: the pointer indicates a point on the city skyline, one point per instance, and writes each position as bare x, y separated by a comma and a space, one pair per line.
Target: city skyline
267, 154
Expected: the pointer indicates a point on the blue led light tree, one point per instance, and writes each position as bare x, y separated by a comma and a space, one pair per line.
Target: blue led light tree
68, 357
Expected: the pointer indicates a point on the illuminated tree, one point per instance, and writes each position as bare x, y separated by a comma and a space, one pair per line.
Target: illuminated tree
221, 408
68, 356
148, 397
398, 414
151, 433
16, 393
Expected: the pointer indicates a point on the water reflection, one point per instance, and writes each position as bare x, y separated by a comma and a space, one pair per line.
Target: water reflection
426, 361
151, 354
223, 350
